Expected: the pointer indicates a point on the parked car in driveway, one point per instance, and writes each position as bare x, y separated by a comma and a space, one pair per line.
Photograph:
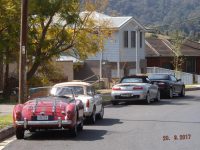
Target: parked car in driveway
168, 84
58, 111
135, 87
93, 105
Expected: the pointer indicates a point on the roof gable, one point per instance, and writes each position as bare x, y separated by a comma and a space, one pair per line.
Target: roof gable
115, 22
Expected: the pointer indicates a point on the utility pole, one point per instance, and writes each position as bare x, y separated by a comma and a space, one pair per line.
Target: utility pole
23, 52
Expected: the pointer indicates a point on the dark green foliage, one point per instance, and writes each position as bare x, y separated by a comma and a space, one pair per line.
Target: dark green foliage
176, 14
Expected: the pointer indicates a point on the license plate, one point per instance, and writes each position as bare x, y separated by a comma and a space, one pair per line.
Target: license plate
42, 117
126, 95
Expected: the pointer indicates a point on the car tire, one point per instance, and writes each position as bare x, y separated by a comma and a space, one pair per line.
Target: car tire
19, 133
148, 100
170, 93
101, 113
182, 94
80, 126
157, 99
74, 131
93, 116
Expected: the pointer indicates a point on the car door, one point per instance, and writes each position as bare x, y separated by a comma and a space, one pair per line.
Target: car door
95, 98
98, 99
152, 88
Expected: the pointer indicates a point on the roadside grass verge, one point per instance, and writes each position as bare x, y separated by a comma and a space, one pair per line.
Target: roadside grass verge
5, 120
192, 86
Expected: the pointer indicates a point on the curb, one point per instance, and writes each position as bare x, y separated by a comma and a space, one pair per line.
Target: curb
192, 89
6, 132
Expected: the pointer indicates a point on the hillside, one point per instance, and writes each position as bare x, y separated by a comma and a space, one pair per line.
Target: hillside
161, 12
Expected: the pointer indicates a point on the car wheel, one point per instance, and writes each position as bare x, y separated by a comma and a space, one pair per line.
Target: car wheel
74, 131
170, 93
101, 114
114, 103
93, 116
157, 99
182, 94
148, 99
19, 133
80, 126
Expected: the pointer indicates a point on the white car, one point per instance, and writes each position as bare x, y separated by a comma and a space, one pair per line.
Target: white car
92, 101
135, 87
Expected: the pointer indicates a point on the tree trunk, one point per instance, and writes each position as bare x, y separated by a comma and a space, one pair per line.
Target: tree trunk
33, 70
6, 90
1, 73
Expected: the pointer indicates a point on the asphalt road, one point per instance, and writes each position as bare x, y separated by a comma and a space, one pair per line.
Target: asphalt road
166, 125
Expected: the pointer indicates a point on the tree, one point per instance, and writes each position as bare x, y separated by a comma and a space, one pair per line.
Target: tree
9, 35
56, 26
177, 41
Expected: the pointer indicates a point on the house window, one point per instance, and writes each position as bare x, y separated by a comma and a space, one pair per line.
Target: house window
141, 41
133, 39
126, 39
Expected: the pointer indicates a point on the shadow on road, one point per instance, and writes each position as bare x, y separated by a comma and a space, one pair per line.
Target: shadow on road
85, 135
108, 122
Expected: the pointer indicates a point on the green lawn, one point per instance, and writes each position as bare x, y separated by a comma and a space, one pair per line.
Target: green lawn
5, 120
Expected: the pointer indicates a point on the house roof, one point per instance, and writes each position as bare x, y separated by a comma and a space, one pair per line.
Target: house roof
115, 22
163, 48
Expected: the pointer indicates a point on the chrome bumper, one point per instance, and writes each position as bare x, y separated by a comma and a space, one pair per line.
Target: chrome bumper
58, 123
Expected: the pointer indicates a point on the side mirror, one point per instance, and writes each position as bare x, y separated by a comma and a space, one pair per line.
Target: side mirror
178, 80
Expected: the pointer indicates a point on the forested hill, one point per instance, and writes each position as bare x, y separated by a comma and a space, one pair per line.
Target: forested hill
160, 12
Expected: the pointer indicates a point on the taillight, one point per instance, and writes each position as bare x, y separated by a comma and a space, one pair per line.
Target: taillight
18, 115
116, 88
138, 88
69, 115
88, 103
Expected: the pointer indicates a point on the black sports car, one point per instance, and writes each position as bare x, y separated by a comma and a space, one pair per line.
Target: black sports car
168, 84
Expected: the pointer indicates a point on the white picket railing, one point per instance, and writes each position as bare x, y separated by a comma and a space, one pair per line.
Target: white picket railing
187, 78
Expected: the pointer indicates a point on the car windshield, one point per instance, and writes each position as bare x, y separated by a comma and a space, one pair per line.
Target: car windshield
61, 91
159, 77
132, 80
77, 89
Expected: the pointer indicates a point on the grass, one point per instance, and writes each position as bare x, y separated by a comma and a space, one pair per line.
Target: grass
5, 120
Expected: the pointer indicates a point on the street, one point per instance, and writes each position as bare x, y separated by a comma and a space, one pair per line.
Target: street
166, 125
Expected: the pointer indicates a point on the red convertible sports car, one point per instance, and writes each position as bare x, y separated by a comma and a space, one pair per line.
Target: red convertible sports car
59, 111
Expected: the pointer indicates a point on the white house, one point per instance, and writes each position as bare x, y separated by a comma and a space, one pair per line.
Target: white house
124, 51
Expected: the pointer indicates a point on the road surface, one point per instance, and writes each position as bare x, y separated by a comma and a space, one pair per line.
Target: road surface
166, 125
